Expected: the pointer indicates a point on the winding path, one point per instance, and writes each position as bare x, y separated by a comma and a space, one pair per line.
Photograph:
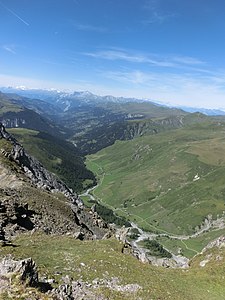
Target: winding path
146, 235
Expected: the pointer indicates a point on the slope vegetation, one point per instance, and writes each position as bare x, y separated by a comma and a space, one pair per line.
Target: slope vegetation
107, 273
170, 183
57, 155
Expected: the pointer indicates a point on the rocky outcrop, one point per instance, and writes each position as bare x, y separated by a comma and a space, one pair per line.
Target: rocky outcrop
76, 290
151, 127
14, 218
91, 225
24, 269
219, 243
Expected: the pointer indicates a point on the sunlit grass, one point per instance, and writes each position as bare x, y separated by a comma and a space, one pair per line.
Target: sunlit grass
57, 256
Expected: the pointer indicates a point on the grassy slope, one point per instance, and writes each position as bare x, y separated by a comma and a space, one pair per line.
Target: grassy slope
148, 109
58, 156
6, 105
150, 179
75, 258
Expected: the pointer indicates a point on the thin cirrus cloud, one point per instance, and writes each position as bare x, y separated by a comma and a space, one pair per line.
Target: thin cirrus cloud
147, 79
133, 77
154, 13
152, 59
156, 17
89, 27
129, 57
175, 89
188, 60
170, 79
9, 48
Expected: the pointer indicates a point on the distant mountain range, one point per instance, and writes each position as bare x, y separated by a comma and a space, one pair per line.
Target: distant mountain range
89, 121
208, 112
68, 100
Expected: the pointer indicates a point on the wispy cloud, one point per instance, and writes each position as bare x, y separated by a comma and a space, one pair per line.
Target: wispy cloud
154, 12
9, 48
178, 89
14, 14
151, 59
169, 79
51, 62
188, 60
89, 27
134, 77
129, 57
156, 17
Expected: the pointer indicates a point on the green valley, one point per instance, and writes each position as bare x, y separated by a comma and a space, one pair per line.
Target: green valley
57, 155
171, 183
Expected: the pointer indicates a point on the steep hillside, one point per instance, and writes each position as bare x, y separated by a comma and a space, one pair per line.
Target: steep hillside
143, 109
39, 106
33, 198
171, 183
104, 135
58, 156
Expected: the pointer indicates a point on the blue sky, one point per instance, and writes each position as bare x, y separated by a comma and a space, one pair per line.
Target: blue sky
166, 50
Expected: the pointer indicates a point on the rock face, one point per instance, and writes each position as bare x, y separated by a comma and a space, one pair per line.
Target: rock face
25, 269
150, 127
34, 170
90, 225
14, 217
219, 243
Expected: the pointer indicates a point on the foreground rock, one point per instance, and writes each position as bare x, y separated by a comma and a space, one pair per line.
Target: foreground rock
77, 290
25, 270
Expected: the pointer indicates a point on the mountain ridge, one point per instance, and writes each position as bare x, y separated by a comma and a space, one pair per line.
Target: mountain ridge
87, 97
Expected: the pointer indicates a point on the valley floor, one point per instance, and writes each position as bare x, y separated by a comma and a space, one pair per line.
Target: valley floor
171, 186
188, 245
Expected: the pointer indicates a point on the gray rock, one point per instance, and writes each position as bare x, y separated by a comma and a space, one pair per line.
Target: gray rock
25, 268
